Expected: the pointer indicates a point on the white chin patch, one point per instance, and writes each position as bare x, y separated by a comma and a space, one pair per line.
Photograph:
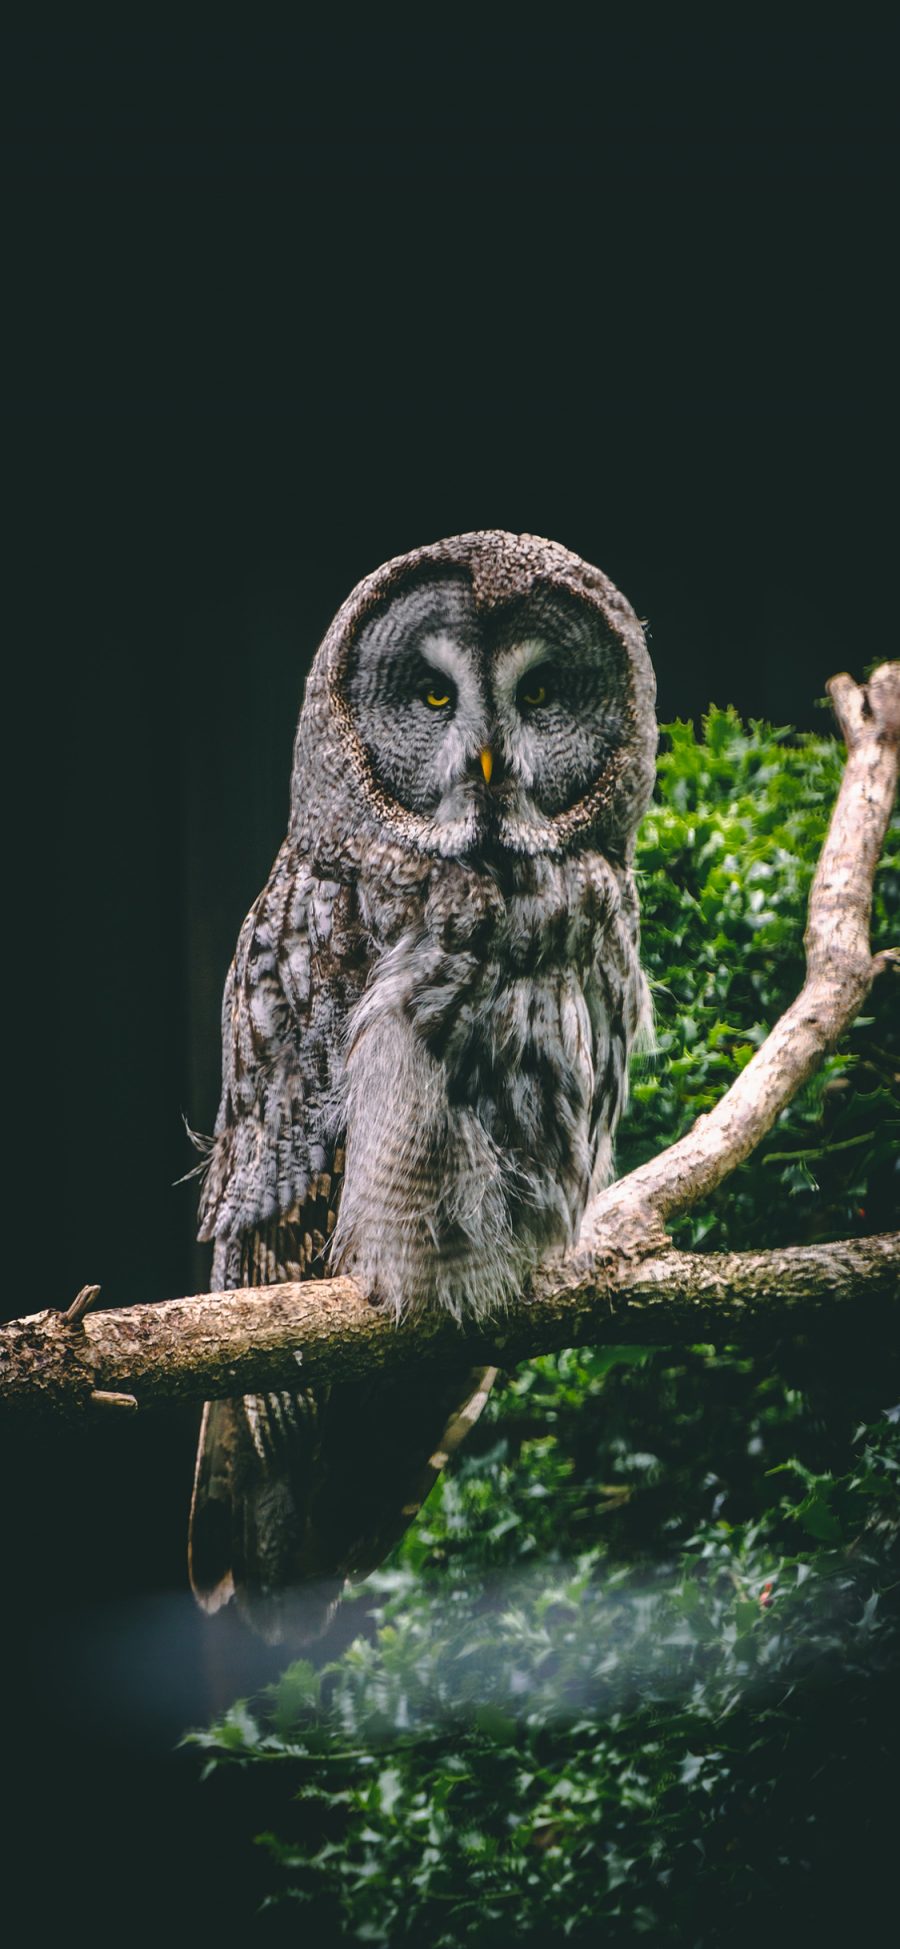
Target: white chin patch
526, 830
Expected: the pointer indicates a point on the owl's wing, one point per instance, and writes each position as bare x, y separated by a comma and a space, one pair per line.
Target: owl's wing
300, 965
294, 1492
622, 1024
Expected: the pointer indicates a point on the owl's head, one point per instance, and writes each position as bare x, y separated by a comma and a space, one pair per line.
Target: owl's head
489, 693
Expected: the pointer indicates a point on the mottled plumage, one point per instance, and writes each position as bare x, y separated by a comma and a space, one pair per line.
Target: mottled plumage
426, 1026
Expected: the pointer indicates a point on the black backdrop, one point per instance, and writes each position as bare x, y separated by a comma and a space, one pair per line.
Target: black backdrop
278, 307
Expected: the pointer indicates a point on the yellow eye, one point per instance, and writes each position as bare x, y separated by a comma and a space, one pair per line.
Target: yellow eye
437, 703
534, 697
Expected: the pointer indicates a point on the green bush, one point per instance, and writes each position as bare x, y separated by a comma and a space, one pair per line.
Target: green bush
634, 1668
726, 857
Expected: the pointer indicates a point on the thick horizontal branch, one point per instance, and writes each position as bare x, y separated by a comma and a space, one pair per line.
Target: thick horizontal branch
271, 1337
840, 968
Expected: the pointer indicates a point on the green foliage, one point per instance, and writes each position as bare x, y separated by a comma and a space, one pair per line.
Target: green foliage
725, 860
633, 1670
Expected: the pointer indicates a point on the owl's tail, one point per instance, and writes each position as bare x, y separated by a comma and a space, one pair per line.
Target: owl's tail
294, 1494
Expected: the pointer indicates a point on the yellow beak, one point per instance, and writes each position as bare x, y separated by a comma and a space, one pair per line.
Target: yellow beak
487, 764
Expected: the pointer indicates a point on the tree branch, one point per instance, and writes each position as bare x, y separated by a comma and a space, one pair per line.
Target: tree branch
840, 969
271, 1337
623, 1282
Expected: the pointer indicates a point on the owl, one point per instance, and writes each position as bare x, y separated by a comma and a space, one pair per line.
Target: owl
426, 1027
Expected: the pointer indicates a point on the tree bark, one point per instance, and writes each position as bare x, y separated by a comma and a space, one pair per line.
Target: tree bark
268, 1337
622, 1282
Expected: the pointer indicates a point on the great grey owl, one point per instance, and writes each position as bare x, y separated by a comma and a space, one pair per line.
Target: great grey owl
426, 1025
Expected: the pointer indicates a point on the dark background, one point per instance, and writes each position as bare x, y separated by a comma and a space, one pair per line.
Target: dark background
277, 308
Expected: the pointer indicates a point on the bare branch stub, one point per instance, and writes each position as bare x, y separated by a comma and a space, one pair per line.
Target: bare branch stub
75, 1313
